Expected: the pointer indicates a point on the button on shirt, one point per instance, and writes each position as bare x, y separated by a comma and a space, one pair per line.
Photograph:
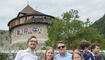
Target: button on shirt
25, 55
67, 56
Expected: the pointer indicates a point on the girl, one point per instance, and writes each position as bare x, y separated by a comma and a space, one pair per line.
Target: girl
49, 54
77, 56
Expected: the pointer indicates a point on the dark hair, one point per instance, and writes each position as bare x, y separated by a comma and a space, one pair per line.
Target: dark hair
31, 38
84, 44
94, 45
61, 42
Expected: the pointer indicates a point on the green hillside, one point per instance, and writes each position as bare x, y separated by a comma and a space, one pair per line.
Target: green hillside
100, 25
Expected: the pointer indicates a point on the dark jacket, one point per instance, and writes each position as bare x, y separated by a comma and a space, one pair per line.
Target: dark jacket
84, 55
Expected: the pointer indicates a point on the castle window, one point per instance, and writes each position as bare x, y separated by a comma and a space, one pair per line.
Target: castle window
17, 33
6, 38
30, 30
35, 29
13, 34
20, 31
25, 31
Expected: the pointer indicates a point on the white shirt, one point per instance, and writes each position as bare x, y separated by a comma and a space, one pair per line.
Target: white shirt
26, 55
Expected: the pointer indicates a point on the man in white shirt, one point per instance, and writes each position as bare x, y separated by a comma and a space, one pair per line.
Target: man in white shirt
29, 53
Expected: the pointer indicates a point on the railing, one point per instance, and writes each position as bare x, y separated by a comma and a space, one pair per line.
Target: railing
40, 53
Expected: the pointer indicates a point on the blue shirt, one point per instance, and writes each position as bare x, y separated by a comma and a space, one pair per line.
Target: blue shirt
67, 56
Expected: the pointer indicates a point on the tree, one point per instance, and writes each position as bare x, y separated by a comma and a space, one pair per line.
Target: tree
71, 15
71, 30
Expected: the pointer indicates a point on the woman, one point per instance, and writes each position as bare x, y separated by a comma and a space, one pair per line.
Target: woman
28, 54
49, 54
77, 56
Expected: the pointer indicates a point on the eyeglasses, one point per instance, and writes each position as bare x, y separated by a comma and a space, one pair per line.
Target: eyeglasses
33, 41
61, 47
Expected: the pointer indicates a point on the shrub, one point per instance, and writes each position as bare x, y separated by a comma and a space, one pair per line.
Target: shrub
3, 56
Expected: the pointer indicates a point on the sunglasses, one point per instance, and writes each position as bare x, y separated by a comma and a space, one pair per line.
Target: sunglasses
61, 47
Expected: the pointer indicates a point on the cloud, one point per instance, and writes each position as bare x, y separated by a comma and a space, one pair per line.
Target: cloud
93, 9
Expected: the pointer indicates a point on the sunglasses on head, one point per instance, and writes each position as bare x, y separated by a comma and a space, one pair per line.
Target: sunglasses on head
61, 47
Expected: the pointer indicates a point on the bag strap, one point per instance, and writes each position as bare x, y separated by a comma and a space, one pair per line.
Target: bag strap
35, 57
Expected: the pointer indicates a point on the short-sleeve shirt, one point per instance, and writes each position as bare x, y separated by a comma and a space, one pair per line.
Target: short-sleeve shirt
26, 55
67, 56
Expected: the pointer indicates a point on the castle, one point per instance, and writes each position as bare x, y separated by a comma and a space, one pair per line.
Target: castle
27, 23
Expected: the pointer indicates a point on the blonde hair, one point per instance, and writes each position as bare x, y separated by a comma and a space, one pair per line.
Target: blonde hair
78, 54
45, 57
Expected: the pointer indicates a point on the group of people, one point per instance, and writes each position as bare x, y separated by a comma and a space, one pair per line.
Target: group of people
78, 54
93, 54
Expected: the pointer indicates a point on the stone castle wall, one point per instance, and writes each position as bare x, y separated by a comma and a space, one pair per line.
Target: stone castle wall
21, 34
4, 39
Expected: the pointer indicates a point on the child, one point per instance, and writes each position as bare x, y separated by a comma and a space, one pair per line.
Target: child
77, 56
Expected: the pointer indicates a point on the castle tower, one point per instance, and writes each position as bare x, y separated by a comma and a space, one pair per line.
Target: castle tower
27, 23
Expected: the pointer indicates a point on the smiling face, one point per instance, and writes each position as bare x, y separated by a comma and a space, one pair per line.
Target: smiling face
96, 50
49, 54
77, 57
32, 43
61, 48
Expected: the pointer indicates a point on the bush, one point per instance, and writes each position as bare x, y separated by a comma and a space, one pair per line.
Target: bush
3, 56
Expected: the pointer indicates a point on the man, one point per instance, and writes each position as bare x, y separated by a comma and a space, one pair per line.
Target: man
28, 54
63, 54
83, 48
94, 55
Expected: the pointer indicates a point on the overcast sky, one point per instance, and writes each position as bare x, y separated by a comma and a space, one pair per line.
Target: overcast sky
92, 9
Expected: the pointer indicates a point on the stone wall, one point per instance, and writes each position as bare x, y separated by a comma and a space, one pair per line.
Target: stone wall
4, 39
21, 34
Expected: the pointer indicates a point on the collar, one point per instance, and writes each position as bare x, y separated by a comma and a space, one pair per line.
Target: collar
65, 54
29, 50
93, 54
